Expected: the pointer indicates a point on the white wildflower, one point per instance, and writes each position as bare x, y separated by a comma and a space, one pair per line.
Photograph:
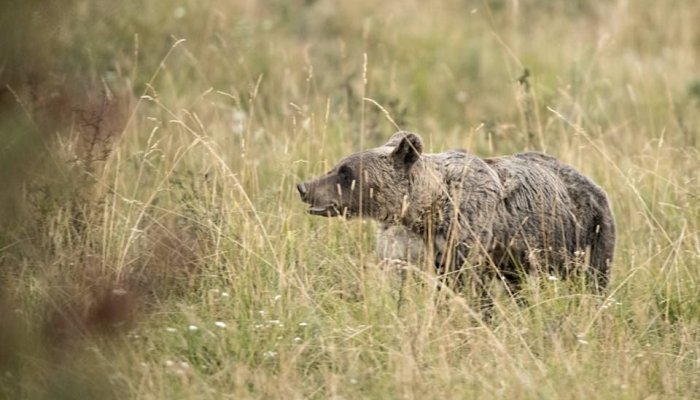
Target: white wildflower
239, 121
179, 12
306, 124
581, 338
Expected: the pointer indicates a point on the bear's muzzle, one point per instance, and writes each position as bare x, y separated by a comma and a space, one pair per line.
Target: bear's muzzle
330, 209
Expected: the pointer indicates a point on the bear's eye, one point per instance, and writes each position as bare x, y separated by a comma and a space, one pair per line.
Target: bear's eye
345, 174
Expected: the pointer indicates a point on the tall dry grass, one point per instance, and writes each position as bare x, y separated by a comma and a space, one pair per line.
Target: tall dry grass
153, 245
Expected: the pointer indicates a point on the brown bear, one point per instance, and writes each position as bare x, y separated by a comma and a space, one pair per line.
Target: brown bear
502, 216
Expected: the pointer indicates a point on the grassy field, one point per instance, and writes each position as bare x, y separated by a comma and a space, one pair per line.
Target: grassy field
153, 245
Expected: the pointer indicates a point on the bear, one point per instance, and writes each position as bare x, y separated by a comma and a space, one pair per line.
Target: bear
502, 217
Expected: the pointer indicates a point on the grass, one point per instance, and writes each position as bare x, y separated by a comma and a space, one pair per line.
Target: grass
153, 245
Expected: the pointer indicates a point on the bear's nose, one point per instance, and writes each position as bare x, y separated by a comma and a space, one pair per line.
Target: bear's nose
302, 189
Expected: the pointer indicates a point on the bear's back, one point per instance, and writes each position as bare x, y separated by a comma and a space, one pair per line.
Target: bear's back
536, 208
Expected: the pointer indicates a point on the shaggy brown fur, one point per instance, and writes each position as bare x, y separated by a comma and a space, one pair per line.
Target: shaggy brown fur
520, 214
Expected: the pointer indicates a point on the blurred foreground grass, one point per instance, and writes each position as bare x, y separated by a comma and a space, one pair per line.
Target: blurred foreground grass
152, 245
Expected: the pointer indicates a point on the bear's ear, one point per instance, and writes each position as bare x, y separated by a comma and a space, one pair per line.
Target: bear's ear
408, 148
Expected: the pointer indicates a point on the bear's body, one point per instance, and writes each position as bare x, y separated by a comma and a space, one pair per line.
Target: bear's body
520, 214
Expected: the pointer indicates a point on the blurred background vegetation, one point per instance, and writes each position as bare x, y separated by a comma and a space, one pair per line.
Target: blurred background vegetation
152, 245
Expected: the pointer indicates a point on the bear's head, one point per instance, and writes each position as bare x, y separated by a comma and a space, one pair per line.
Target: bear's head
372, 183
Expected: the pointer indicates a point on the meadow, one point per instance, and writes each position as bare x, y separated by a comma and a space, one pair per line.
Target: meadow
153, 245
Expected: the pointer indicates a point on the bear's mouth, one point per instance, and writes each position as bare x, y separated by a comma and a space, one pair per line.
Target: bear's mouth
329, 210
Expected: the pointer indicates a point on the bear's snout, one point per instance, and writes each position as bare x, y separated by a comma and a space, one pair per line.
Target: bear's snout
320, 203
302, 190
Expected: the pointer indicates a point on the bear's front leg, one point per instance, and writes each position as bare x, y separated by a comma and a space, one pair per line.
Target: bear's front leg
463, 267
451, 262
